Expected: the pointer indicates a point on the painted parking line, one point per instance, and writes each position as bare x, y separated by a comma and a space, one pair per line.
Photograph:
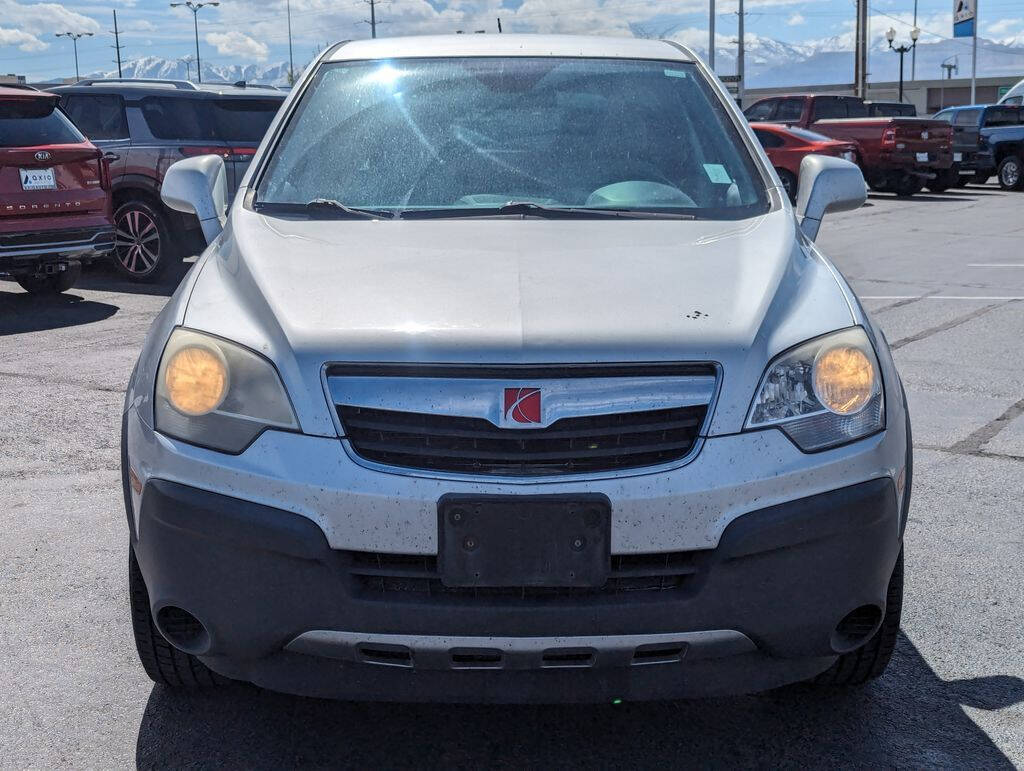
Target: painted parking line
936, 297
996, 265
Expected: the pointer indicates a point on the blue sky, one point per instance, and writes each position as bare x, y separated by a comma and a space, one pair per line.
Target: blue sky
255, 31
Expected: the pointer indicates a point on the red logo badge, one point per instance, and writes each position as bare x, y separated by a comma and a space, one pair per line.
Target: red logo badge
522, 405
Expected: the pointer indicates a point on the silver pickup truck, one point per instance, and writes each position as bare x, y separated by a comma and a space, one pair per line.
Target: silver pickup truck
511, 374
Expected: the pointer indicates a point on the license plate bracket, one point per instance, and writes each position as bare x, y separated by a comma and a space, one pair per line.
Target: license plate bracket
37, 179
502, 541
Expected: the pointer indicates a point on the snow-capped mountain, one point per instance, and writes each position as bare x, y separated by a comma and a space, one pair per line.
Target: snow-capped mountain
769, 63
274, 74
773, 63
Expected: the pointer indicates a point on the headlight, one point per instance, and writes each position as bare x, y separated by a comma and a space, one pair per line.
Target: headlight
823, 393
218, 394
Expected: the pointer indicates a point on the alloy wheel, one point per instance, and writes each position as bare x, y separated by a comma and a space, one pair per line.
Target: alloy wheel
137, 240
1011, 174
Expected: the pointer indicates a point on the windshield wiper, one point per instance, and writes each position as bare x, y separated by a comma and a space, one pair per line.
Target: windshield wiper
327, 206
533, 209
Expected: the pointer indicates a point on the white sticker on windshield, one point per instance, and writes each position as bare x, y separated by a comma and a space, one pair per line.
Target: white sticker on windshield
716, 173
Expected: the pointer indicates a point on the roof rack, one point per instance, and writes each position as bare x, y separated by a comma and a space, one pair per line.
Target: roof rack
185, 85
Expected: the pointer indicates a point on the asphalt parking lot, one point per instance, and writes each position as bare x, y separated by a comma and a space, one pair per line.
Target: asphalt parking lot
944, 274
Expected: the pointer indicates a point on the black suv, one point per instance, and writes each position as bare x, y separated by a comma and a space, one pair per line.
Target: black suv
150, 124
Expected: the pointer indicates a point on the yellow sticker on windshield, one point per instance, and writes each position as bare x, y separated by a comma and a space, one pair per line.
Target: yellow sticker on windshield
716, 173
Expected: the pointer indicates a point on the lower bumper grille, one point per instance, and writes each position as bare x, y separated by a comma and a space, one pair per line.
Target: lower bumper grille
378, 574
477, 446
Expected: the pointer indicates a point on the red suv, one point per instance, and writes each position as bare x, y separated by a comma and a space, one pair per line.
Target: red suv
55, 200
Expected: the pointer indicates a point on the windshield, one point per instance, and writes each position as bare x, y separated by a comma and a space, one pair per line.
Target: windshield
457, 134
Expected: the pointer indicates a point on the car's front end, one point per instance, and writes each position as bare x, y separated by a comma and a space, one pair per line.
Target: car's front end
482, 456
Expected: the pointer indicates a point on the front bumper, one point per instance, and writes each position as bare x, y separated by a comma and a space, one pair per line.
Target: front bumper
284, 610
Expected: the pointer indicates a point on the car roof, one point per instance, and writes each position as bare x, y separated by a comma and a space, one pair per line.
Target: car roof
510, 45
22, 92
153, 87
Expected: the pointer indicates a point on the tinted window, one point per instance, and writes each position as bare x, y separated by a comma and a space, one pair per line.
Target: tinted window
767, 139
1014, 100
761, 110
967, 118
946, 115
829, 107
856, 108
23, 125
790, 109
177, 118
243, 120
451, 134
1002, 116
98, 116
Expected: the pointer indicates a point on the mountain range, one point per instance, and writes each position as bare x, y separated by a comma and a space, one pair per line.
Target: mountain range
769, 63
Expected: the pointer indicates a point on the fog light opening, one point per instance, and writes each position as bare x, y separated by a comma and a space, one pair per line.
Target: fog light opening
182, 629
856, 628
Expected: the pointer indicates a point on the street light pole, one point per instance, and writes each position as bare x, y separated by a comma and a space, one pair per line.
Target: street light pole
194, 7
902, 49
75, 36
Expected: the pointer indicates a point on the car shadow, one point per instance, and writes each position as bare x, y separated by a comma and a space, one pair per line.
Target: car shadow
908, 717
104, 278
945, 197
23, 312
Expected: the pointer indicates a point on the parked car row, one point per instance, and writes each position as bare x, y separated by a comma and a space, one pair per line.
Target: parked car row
897, 151
81, 169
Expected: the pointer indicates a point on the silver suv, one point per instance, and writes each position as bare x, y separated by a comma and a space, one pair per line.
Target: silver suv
511, 374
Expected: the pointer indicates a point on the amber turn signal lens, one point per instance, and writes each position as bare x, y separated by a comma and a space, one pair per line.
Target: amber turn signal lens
843, 379
196, 380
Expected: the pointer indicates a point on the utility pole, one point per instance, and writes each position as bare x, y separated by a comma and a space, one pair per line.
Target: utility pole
75, 37
499, 25
117, 45
860, 56
187, 60
194, 7
291, 61
740, 87
974, 53
373, 17
913, 53
711, 35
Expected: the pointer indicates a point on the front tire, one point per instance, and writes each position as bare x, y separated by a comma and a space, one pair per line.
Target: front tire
165, 664
143, 249
789, 183
1011, 173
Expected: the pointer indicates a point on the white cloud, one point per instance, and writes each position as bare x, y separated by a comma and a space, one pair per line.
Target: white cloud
796, 20
42, 19
236, 43
24, 41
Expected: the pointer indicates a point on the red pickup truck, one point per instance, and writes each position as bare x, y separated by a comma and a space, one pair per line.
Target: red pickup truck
896, 154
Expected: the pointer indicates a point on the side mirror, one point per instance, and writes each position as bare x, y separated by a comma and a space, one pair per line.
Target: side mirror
826, 185
198, 186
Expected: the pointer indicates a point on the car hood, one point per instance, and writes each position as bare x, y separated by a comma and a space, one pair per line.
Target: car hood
514, 290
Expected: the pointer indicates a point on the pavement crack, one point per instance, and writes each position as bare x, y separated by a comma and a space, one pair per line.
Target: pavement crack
907, 301
947, 325
974, 442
